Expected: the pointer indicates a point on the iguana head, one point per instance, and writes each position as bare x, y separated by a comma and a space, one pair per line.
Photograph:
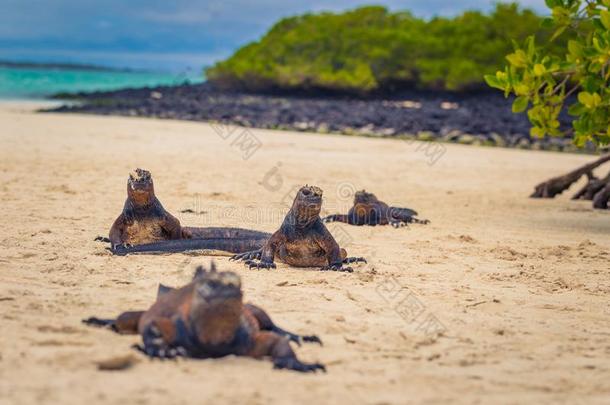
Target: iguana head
213, 285
362, 197
307, 205
216, 307
140, 188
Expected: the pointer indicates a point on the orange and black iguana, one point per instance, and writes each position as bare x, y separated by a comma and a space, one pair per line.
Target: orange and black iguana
368, 210
207, 318
302, 240
145, 226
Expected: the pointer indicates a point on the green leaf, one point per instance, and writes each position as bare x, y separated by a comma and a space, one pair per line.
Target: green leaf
604, 16
559, 31
575, 49
539, 69
493, 81
580, 140
547, 23
597, 24
591, 84
520, 104
590, 100
576, 109
521, 89
497, 81
530, 43
537, 132
602, 140
517, 58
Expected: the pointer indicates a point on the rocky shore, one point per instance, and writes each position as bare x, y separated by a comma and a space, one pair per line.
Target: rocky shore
473, 118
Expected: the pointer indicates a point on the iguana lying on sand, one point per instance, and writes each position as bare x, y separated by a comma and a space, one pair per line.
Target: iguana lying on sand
368, 210
144, 221
206, 318
302, 240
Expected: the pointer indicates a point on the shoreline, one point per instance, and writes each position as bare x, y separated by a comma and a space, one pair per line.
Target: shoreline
407, 139
465, 118
29, 104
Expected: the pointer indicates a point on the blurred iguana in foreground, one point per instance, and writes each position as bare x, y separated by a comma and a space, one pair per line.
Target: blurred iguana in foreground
207, 319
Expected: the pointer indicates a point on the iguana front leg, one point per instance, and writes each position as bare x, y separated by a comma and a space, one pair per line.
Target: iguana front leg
266, 258
265, 323
269, 344
334, 254
116, 232
263, 258
171, 225
157, 340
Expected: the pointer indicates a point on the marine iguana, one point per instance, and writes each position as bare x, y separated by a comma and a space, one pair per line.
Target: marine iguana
207, 319
144, 221
368, 210
302, 240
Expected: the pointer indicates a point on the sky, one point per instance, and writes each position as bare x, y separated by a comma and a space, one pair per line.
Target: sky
168, 35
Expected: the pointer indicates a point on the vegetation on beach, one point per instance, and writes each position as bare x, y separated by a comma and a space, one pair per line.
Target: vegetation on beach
543, 79
371, 48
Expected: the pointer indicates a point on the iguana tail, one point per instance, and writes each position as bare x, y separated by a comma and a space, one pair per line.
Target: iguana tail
231, 245
126, 323
402, 213
405, 215
223, 232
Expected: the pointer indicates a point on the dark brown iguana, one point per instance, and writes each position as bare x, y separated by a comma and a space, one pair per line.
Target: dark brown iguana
206, 318
144, 221
302, 240
368, 210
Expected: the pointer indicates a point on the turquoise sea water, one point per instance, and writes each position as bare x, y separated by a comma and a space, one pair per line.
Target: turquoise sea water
33, 83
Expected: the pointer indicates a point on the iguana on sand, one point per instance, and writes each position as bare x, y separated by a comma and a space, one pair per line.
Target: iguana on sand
144, 221
368, 210
207, 318
302, 240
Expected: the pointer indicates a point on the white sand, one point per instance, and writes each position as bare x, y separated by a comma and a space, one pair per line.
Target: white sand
520, 286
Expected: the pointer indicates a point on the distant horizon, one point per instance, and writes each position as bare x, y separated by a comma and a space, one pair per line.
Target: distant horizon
25, 64
179, 37
60, 65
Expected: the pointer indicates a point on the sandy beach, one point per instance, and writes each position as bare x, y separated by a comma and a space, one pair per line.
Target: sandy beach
500, 299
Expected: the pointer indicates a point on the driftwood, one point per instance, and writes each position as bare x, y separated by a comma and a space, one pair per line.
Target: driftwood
593, 186
557, 185
602, 197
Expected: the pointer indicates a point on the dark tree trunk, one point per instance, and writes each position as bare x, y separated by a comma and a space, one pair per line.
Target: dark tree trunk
557, 185
593, 186
602, 197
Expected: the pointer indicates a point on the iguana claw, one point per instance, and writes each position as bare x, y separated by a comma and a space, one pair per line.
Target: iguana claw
337, 267
256, 254
348, 260
160, 352
292, 363
259, 265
